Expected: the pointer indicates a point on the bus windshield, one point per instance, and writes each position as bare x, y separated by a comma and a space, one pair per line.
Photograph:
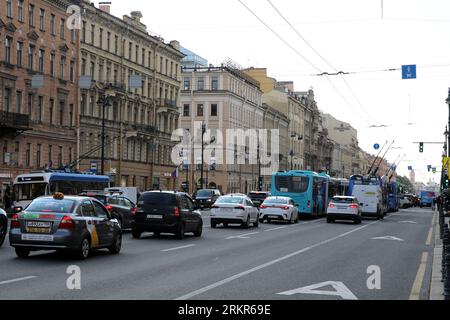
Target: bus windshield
29, 191
298, 184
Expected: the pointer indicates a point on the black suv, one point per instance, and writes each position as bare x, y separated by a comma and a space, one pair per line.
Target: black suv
120, 207
205, 198
258, 197
166, 212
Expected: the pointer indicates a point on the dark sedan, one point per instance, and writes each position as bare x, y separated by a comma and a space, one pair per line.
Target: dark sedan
77, 224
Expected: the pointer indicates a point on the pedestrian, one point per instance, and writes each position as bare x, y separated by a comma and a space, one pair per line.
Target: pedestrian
433, 205
7, 198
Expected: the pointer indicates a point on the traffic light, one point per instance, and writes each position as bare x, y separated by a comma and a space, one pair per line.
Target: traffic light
421, 147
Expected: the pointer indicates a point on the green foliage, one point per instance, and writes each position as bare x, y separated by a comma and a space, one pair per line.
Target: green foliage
407, 185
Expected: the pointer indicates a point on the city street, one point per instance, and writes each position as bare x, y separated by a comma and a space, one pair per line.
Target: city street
235, 263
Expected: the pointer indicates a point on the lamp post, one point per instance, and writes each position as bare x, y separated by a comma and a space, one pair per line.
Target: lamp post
203, 149
103, 102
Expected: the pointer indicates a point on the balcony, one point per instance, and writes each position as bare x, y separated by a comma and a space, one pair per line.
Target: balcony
167, 103
13, 123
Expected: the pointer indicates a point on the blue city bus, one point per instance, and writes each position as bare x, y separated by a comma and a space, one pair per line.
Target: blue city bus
308, 189
337, 187
28, 187
393, 197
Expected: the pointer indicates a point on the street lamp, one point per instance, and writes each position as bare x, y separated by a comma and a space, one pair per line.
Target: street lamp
103, 102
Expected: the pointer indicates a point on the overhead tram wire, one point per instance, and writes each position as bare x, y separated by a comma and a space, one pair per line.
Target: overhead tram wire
303, 57
325, 60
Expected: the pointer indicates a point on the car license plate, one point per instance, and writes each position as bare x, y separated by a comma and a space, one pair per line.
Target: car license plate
37, 237
273, 217
39, 224
341, 207
154, 216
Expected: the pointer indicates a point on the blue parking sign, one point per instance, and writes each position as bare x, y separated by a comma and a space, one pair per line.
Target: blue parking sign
409, 72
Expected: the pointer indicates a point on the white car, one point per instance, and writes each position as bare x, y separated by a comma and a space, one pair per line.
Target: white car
344, 208
3, 226
278, 209
234, 209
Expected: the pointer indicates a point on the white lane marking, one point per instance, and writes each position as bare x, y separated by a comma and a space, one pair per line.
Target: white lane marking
411, 222
275, 229
340, 290
429, 238
178, 248
17, 280
415, 291
391, 238
268, 264
242, 236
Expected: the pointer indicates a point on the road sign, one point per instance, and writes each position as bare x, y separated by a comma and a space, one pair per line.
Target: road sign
93, 167
410, 168
376, 146
409, 72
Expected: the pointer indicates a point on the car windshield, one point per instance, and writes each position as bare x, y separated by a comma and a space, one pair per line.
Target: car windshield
232, 200
205, 193
157, 199
343, 200
275, 201
257, 195
52, 205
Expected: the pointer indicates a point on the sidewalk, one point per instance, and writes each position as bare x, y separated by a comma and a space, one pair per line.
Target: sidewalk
437, 287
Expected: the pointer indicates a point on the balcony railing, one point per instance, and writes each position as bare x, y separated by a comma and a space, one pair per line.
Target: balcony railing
167, 103
14, 120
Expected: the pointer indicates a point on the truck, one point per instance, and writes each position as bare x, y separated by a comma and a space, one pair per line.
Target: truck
426, 198
128, 192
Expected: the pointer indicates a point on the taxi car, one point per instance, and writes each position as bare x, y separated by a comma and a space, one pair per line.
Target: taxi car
73, 223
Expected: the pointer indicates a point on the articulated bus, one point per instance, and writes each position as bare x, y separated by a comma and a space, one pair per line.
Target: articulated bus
28, 187
337, 187
308, 189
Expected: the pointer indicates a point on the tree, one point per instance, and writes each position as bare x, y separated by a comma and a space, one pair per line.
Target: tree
407, 185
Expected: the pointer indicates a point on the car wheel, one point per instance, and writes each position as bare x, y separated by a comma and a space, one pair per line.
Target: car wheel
22, 252
246, 224
117, 244
180, 232
198, 232
292, 221
83, 252
136, 233
3, 231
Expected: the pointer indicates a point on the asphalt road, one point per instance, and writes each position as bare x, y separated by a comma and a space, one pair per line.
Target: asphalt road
337, 260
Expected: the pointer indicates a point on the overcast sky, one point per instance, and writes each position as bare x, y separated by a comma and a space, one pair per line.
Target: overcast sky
352, 36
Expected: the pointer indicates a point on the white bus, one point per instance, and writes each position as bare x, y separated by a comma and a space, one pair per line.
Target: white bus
28, 187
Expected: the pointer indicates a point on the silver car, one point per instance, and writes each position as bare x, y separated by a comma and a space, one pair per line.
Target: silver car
78, 224
3, 226
344, 208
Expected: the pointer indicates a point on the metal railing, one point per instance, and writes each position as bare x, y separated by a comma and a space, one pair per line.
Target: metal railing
14, 120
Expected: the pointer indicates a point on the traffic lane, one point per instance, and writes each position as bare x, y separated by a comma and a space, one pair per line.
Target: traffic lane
346, 260
156, 275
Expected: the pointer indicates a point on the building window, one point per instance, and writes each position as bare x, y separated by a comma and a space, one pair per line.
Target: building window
83, 67
143, 57
20, 10
9, 8
49, 156
108, 41
31, 15
8, 44
187, 84
199, 110
215, 83
38, 156
30, 57
19, 53
40, 107
61, 113
28, 155
18, 101
92, 34
166, 70
137, 54
52, 24
213, 110
100, 72
5, 150
100, 39
71, 115
72, 71
63, 28
72, 35
186, 111
41, 60
52, 64
83, 104
201, 83
130, 48
51, 110
92, 70
62, 67
116, 44
161, 61
83, 32
42, 19
30, 104
7, 107
60, 156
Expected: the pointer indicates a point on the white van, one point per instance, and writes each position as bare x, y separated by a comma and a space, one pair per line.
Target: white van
370, 199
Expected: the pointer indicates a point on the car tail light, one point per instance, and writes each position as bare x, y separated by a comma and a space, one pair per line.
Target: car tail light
67, 223
240, 207
109, 208
176, 212
15, 221
284, 208
331, 205
354, 206
133, 211
263, 207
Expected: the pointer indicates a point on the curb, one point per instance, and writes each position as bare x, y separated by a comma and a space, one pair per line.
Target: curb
437, 287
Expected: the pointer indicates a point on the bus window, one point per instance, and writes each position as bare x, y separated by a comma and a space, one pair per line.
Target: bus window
299, 184
29, 191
